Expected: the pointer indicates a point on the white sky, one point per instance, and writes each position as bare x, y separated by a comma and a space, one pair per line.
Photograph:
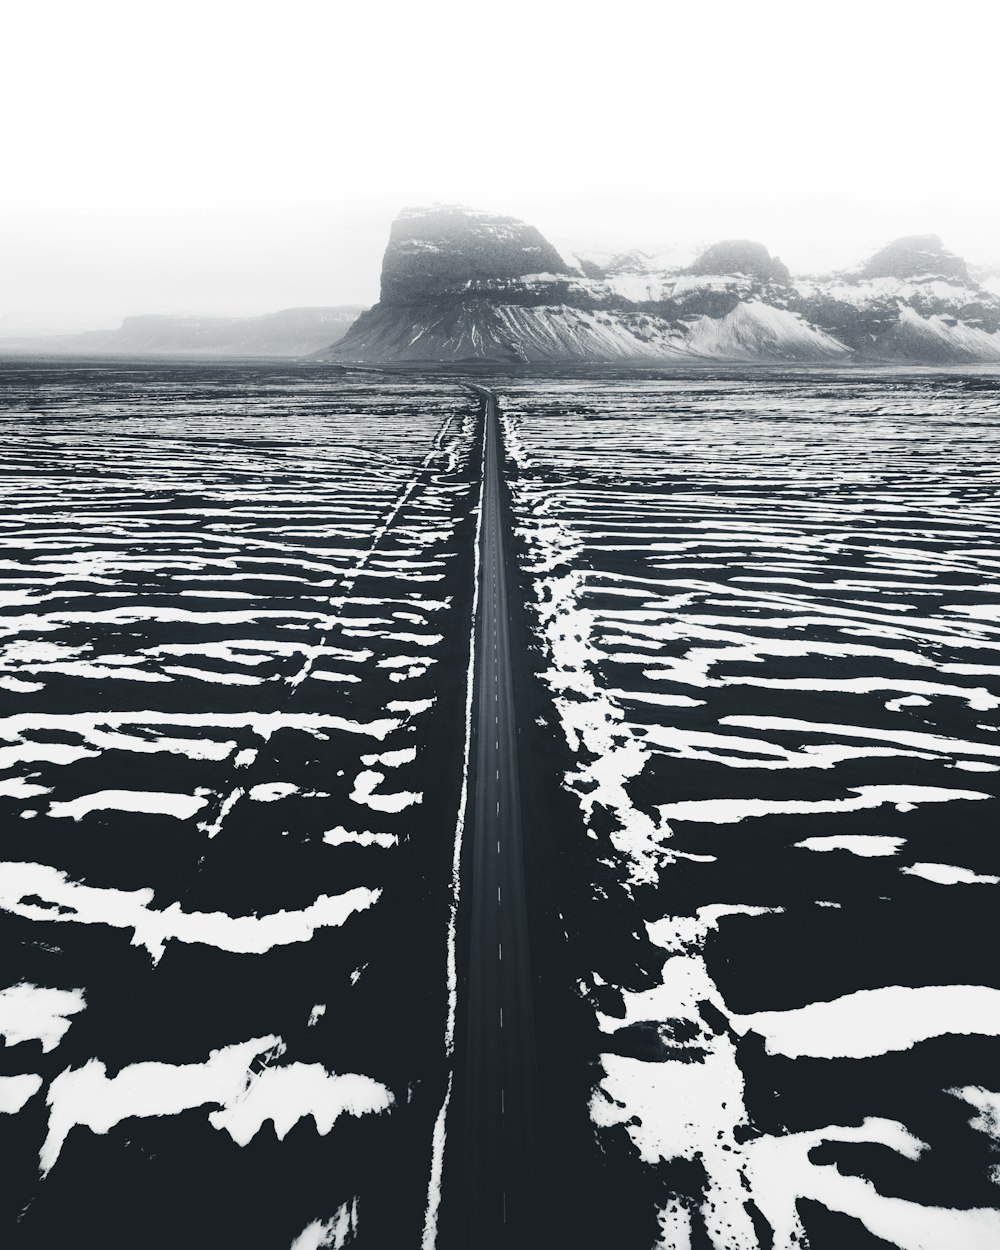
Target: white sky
222, 157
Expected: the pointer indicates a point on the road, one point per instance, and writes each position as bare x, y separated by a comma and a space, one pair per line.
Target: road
496, 1070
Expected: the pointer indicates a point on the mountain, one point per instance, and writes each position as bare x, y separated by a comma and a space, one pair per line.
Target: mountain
292, 332
594, 261
432, 251
913, 301
741, 256
919, 256
459, 285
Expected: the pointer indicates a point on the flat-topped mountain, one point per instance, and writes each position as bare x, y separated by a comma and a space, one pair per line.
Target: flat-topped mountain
442, 248
459, 284
741, 256
292, 332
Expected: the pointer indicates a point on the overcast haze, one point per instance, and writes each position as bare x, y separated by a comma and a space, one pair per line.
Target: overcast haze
240, 158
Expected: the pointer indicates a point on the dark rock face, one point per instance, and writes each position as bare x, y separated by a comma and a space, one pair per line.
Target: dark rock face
861, 328
916, 256
741, 256
431, 250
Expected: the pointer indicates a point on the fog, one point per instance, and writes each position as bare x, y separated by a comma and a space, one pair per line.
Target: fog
238, 158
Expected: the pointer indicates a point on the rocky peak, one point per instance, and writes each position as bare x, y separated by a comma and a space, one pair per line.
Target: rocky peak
435, 249
916, 256
744, 256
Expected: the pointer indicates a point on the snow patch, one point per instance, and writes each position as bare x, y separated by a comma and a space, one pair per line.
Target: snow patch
364, 794
31, 1012
332, 1234
949, 874
284, 1095
16, 1090
732, 811
88, 1097
40, 892
876, 1022
146, 802
867, 845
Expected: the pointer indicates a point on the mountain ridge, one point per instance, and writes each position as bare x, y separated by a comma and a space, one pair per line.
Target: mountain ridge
459, 284
290, 332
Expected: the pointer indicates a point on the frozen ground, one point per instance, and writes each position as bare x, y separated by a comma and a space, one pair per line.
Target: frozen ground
770, 617
759, 781
234, 622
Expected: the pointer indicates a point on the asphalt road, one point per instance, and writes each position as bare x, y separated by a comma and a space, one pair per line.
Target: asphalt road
497, 1070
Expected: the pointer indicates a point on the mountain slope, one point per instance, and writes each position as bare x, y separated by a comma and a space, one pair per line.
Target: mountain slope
482, 329
755, 330
478, 329
938, 338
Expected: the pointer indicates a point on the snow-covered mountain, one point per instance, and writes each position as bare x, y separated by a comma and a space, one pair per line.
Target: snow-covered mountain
459, 285
595, 261
912, 301
292, 332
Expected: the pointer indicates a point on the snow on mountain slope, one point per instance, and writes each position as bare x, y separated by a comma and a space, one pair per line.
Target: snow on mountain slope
595, 261
862, 293
616, 290
934, 338
548, 333
483, 330
755, 330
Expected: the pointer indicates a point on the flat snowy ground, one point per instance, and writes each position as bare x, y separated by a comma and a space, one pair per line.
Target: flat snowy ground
232, 625
770, 614
235, 638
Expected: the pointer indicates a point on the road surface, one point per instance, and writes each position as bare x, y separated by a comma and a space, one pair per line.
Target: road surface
496, 1054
